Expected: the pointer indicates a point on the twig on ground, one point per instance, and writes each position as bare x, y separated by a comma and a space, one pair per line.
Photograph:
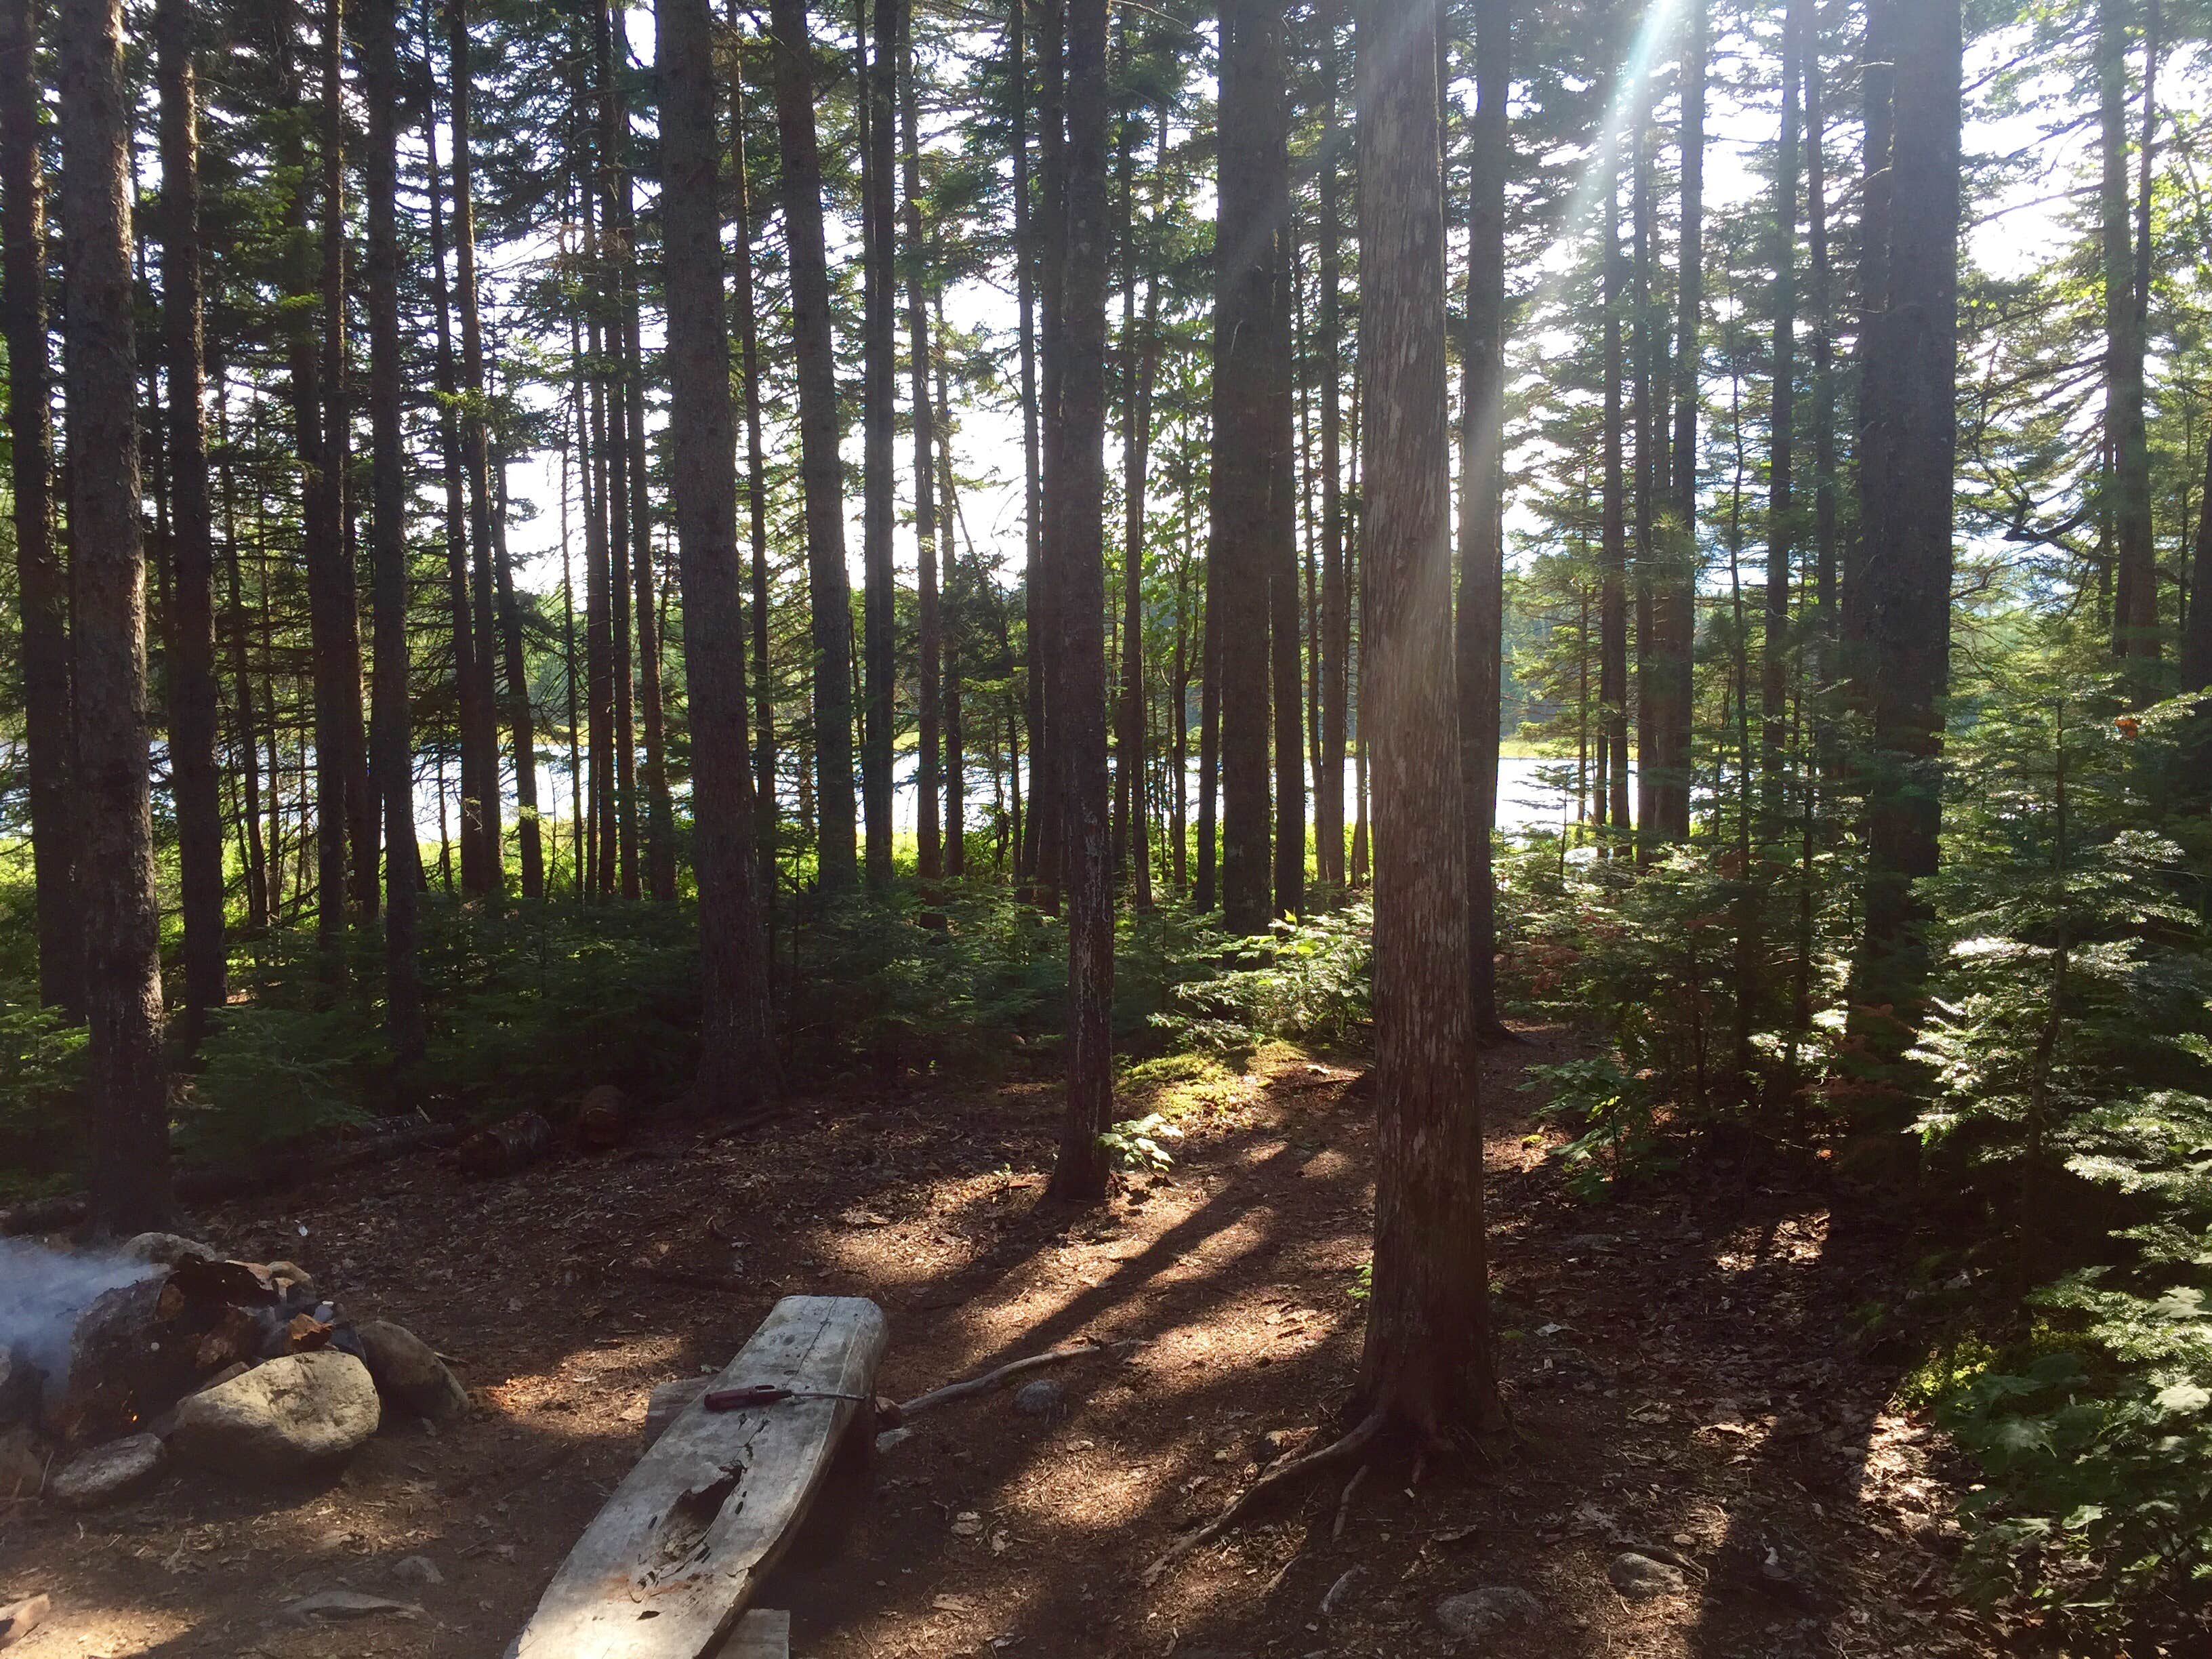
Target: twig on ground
1328, 1601
1283, 1474
1001, 1374
1344, 1503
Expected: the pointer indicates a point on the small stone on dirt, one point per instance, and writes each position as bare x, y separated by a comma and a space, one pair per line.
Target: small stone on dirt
284, 1418
341, 1604
416, 1569
409, 1372
1478, 1611
967, 1524
106, 1472
1640, 1578
1041, 1398
891, 1437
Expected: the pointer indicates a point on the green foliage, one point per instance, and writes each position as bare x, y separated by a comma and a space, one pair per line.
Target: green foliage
1308, 979
1609, 1115
41, 1069
270, 1074
1135, 1144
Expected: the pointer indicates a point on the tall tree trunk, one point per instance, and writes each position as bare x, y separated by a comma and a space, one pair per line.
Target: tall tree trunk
42, 586
1426, 1364
476, 458
126, 1081
1648, 422
521, 719
1479, 647
737, 1058
598, 629
474, 720
652, 766
756, 492
821, 470
2135, 587
195, 780
1080, 1170
248, 757
1047, 792
2196, 638
930, 702
1819, 302
1613, 600
390, 742
625, 442
334, 643
1032, 459
1673, 610
957, 610
878, 422
1247, 545
1877, 77
1905, 499
1781, 505
1334, 645
1136, 434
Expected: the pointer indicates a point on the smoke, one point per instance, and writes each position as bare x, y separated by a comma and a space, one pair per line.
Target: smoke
43, 1292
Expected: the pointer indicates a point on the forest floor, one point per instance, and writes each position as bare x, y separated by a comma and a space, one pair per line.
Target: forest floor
1682, 1365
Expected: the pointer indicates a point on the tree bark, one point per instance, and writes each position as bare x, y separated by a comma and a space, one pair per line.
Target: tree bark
652, 765
1781, 505
390, 742
821, 470
1032, 455
1138, 337
1426, 1364
1673, 610
879, 422
737, 1059
765, 806
126, 1081
1250, 549
1612, 599
930, 702
1080, 1170
1334, 645
2134, 584
1479, 647
1905, 505
195, 780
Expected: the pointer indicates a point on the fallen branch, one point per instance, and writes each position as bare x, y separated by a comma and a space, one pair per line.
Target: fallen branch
1282, 1475
1005, 1374
1344, 1503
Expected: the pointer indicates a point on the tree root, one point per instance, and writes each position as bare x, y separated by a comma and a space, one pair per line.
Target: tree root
1342, 1450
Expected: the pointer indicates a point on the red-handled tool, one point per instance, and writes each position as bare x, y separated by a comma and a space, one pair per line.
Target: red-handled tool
765, 1393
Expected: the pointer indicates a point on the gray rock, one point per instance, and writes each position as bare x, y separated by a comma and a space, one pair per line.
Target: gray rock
409, 1372
335, 1605
22, 1463
891, 1437
416, 1569
1041, 1398
1476, 1613
1640, 1578
286, 1418
166, 1249
106, 1472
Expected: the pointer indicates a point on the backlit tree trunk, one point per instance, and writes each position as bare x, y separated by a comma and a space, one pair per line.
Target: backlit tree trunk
1080, 1170
737, 1057
2134, 583
1479, 646
195, 780
1426, 1362
126, 1082
1906, 498
821, 470
929, 704
390, 742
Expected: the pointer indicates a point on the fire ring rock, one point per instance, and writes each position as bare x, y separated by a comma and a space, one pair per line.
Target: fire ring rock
289, 1417
105, 1472
409, 1372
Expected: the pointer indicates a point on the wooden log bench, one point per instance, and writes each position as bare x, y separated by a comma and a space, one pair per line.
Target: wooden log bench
668, 1569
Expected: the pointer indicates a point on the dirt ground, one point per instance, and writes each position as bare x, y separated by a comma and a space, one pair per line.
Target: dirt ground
1682, 1366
